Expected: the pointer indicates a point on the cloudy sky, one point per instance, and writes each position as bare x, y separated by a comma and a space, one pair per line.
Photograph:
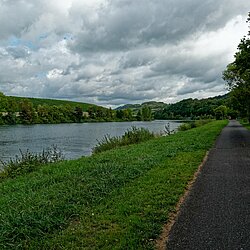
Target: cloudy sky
112, 52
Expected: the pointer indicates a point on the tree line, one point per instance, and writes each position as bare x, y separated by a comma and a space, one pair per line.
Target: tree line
23, 111
217, 107
237, 76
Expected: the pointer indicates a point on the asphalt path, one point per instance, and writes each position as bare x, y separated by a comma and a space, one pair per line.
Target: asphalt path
216, 213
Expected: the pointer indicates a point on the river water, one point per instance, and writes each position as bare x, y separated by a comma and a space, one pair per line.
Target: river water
74, 140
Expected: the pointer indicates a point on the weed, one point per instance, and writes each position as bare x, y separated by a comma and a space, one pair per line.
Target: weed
28, 162
132, 136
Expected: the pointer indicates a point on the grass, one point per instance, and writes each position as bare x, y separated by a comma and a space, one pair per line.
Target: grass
28, 162
131, 136
245, 123
193, 124
118, 199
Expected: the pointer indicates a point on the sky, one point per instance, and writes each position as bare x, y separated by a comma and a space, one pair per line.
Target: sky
114, 52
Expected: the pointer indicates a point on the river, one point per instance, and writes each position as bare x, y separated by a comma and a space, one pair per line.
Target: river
74, 140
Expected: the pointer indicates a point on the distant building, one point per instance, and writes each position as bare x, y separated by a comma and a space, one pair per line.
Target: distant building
86, 114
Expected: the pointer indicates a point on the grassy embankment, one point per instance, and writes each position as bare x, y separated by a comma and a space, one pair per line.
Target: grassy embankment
118, 199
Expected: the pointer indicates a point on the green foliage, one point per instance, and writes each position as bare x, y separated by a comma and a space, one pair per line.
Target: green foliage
124, 114
193, 124
18, 110
193, 108
146, 113
27, 113
28, 162
154, 106
221, 112
78, 113
119, 199
245, 123
139, 115
51, 102
237, 76
142, 112
131, 136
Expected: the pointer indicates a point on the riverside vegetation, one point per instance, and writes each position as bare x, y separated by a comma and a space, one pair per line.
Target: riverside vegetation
28, 162
20, 110
115, 199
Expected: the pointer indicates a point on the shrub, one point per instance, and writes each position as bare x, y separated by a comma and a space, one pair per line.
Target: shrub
131, 136
193, 124
28, 162
184, 126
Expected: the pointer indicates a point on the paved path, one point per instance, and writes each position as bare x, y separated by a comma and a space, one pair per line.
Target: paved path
216, 214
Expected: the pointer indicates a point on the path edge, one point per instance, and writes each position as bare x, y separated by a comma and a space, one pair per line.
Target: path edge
162, 240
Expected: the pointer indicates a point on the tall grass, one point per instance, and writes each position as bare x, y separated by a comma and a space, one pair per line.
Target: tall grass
133, 135
28, 161
193, 124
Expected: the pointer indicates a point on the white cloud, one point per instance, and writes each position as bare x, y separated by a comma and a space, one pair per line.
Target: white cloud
115, 52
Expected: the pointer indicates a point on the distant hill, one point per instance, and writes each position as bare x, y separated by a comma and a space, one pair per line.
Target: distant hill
182, 109
53, 102
193, 108
23, 110
155, 106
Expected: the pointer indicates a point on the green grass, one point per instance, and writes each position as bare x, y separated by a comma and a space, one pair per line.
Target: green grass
118, 199
193, 124
133, 135
245, 123
28, 162
53, 102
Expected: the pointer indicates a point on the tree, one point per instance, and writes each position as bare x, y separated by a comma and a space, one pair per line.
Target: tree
92, 112
10, 118
237, 76
146, 113
127, 115
27, 113
3, 102
221, 112
139, 115
78, 114
119, 114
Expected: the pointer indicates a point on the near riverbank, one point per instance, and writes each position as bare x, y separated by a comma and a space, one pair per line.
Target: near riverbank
116, 199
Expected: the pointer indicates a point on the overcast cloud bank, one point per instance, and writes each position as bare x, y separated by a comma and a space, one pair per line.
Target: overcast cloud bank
116, 52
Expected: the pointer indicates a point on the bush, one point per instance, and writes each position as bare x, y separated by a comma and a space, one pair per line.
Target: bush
184, 126
28, 162
193, 124
131, 136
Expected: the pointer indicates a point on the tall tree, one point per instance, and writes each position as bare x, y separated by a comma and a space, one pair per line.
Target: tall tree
237, 76
27, 112
78, 114
146, 113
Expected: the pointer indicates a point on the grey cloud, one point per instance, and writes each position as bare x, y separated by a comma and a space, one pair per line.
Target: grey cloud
18, 52
192, 87
124, 25
118, 52
137, 58
16, 16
